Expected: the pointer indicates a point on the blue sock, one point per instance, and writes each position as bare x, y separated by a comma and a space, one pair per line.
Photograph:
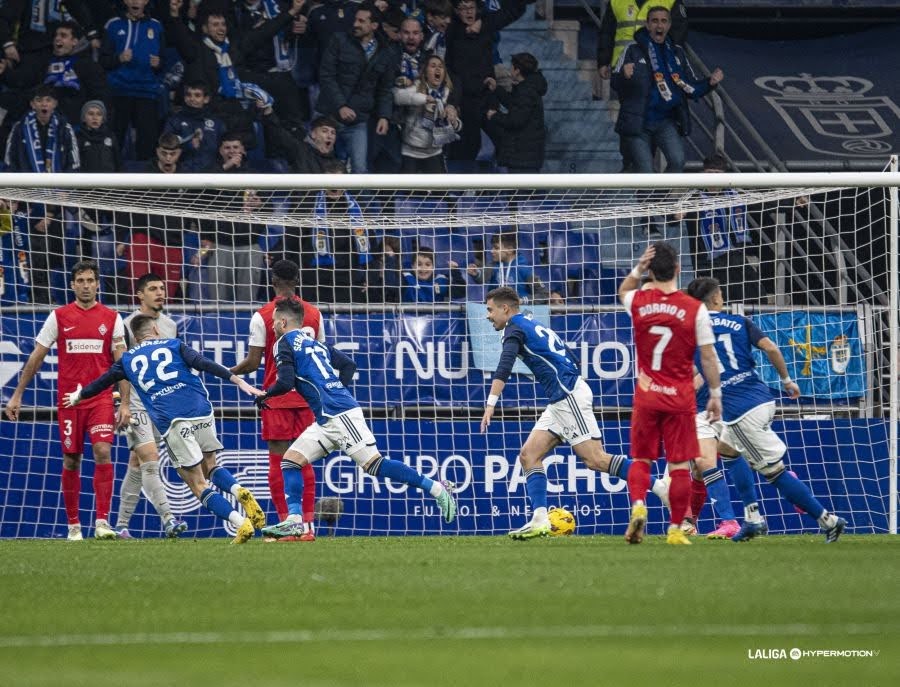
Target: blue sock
717, 491
401, 472
798, 494
536, 487
223, 479
618, 466
743, 479
293, 487
216, 504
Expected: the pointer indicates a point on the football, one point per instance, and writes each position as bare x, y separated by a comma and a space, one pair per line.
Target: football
562, 522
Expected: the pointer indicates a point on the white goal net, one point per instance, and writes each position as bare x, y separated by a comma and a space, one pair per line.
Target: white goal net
400, 267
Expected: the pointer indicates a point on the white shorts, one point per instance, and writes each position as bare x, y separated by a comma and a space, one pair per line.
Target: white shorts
572, 419
707, 429
347, 432
142, 430
188, 440
752, 436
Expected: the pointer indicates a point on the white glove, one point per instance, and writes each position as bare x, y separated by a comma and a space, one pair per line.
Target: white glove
72, 399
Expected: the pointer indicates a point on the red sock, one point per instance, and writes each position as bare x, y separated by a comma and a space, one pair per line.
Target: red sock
71, 489
638, 480
309, 493
276, 486
679, 494
698, 497
103, 489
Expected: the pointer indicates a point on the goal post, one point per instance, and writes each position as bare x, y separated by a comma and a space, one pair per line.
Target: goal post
811, 258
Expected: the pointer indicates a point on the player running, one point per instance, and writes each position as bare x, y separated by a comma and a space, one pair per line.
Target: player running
749, 408
307, 365
569, 416
177, 400
669, 326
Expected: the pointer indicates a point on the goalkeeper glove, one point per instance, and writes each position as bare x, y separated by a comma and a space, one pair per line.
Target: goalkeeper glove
260, 402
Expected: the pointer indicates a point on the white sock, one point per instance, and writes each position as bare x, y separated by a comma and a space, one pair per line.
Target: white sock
129, 494
436, 489
236, 518
827, 520
660, 489
540, 515
751, 513
235, 489
156, 492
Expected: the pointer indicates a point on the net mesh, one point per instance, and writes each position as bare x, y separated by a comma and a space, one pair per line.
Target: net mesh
809, 265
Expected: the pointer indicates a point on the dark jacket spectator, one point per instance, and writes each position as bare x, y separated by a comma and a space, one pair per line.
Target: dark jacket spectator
327, 19
519, 133
623, 18
197, 128
28, 26
97, 143
309, 156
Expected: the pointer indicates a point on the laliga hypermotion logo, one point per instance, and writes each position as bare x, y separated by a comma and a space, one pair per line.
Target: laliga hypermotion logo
833, 114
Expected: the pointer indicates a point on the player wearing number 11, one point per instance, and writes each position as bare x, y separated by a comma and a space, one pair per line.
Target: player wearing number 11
669, 326
177, 401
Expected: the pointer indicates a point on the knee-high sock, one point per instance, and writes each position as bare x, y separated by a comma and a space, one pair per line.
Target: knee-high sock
71, 489
679, 494
745, 482
401, 472
619, 466
156, 492
293, 487
276, 486
638, 480
224, 480
536, 487
717, 489
309, 493
698, 498
129, 494
799, 494
103, 489
216, 504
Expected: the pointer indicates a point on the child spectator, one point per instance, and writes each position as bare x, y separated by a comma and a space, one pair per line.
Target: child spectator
422, 285
198, 131
132, 45
510, 269
430, 121
97, 143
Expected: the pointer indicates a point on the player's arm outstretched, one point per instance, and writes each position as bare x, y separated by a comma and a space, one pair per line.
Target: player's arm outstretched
511, 346
770, 348
633, 281
114, 374
35, 360
198, 362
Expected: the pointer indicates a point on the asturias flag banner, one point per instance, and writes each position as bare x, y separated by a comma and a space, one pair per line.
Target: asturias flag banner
823, 351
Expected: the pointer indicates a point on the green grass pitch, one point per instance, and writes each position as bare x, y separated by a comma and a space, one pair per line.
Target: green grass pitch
449, 611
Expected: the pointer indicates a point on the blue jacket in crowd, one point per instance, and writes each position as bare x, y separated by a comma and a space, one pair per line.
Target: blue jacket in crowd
136, 78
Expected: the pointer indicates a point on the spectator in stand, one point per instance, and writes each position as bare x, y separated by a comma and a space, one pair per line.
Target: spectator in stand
429, 122
99, 152
76, 77
438, 17
391, 20
422, 284
412, 53
620, 22
197, 129
519, 132
309, 156
510, 269
722, 242
339, 253
470, 58
228, 267
132, 46
654, 81
43, 142
384, 151
269, 57
330, 18
355, 80
27, 29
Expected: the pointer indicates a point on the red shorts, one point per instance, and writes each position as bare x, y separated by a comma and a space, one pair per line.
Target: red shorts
675, 432
97, 420
285, 424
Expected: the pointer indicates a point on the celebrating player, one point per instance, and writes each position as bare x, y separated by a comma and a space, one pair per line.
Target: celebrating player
89, 338
307, 365
569, 416
143, 436
669, 327
748, 411
176, 399
286, 416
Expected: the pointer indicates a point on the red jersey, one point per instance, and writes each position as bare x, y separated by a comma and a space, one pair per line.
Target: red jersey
262, 334
85, 341
667, 330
